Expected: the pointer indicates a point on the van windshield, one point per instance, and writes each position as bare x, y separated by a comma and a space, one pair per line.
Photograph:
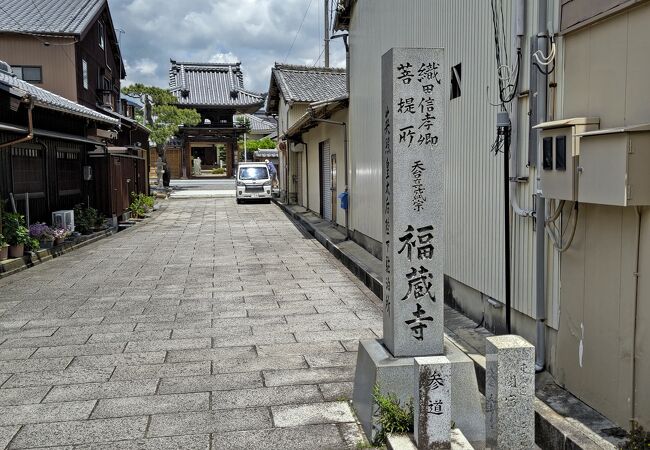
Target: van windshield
253, 173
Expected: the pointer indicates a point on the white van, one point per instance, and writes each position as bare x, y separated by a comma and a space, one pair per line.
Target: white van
253, 181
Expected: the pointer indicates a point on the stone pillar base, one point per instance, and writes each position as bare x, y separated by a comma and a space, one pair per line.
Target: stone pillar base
376, 365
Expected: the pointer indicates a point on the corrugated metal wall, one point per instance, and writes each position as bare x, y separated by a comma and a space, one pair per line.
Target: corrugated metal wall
474, 178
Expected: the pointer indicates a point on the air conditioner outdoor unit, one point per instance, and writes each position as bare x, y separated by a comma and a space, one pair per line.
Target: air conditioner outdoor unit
63, 219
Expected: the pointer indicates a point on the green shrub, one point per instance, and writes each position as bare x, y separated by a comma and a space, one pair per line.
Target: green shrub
141, 204
14, 229
637, 438
32, 244
393, 417
218, 171
86, 219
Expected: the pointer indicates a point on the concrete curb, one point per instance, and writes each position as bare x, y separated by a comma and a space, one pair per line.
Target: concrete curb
552, 431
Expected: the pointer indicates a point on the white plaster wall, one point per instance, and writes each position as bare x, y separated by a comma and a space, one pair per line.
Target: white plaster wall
335, 134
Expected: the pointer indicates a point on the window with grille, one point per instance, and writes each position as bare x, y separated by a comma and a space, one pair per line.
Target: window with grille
68, 167
28, 170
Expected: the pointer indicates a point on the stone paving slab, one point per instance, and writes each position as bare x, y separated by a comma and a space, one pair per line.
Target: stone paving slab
152, 404
79, 432
212, 325
311, 414
210, 422
112, 389
266, 396
312, 437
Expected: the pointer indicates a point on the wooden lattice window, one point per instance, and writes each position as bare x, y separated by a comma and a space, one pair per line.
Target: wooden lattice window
27, 165
68, 167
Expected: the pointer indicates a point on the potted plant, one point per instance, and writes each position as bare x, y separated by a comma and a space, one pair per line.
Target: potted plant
59, 235
87, 219
4, 248
16, 233
43, 234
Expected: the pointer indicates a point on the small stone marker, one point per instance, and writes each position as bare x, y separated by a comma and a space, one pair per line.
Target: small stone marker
432, 402
509, 393
413, 114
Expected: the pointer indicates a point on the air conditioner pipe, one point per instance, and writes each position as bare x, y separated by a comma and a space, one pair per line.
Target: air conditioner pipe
30, 129
540, 204
345, 156
518, 31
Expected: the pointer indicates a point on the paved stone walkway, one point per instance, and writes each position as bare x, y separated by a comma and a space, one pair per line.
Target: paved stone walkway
211, 326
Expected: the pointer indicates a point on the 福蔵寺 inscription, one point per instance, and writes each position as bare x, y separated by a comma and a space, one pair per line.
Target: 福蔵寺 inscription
413, 200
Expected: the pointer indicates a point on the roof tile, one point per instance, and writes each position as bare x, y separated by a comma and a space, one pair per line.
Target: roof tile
208, 84
49, 17
310, 84
48, 100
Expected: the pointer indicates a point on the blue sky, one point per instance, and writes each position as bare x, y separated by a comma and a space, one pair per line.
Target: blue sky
255, 32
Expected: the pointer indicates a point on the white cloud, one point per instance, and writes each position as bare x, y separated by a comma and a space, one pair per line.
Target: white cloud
223, 58
146, 66
256, 32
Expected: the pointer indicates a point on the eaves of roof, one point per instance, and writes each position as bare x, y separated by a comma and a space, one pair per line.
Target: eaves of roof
316, 110
48, 100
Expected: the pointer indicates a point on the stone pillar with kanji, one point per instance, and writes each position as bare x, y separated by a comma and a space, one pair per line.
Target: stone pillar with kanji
413, 147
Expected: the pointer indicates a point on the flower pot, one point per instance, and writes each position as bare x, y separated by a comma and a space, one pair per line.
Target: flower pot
16, 251
59, 241
4, 252
46, 244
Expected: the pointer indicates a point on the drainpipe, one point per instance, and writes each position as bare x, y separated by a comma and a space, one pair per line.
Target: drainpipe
306, 172
639, 214
540, 204
345, 157
30, 129
287, 163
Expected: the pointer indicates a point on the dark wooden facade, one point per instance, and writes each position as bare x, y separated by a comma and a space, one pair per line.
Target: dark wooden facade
117, 176
105, 68
49, 168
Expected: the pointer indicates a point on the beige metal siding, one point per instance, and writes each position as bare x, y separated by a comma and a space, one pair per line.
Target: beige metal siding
605, 75
578, 12
474, 190
606, 70
57, 61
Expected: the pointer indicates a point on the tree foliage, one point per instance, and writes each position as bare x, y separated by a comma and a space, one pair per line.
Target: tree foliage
253, 145
244, 123
166, 116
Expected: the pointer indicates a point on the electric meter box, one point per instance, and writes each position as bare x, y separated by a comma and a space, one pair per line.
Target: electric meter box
614, 166
559, 156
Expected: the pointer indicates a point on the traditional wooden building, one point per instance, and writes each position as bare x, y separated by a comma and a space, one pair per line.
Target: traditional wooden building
217, 92
313, 154
44, 148
70, 48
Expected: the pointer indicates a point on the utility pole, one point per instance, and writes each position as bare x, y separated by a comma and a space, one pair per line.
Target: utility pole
327, 33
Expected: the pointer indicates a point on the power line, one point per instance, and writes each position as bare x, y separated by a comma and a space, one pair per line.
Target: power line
319, 57
297, 32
